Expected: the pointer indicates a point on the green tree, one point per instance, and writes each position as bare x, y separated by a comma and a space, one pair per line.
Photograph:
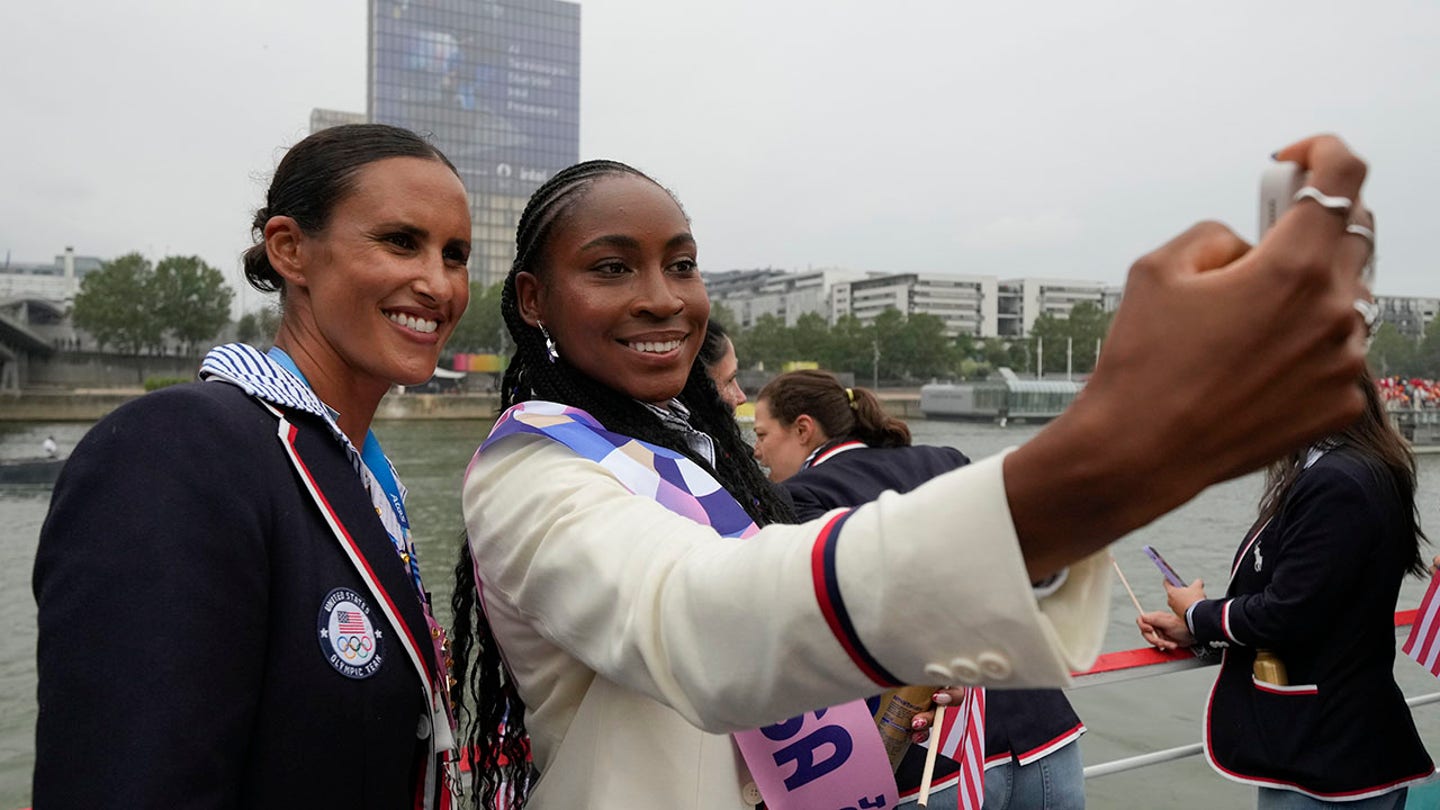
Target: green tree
1001, 353
1079, 333
1426, 362
887, 334
925, 350
190, 298
850, 347
258, 328
721, 313
1392, 353
481, 329
810, 338
767, 342
114, 305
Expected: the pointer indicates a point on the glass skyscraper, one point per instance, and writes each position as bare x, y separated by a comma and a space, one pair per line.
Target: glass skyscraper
495, 84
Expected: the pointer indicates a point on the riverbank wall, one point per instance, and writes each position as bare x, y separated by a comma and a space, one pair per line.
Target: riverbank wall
90, 405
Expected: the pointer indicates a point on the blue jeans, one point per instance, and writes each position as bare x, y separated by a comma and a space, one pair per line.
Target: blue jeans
1272, 799
1056, 782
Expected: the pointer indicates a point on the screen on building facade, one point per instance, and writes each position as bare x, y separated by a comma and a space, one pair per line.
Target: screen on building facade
494, 83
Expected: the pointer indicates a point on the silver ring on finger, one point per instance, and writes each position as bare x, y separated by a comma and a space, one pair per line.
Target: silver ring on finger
1340, 205
1367, 273
1362, 232
1369, 313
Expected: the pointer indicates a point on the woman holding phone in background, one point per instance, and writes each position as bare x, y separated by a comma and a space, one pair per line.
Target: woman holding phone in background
1305, 706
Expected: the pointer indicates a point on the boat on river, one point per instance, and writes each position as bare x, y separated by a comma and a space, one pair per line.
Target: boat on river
1007, 399
30, 470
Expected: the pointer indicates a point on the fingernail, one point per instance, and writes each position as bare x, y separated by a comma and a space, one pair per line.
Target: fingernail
942, 698
1274, 155
917, 723
919, 736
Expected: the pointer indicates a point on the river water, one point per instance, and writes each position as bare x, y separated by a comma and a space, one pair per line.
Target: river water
1125, 719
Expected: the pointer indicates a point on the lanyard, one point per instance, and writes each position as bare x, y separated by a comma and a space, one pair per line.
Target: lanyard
377, 465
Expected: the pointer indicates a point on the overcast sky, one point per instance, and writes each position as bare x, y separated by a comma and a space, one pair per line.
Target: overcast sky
1057, 139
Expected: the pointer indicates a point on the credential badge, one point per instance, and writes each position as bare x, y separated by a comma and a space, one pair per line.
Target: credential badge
348, 636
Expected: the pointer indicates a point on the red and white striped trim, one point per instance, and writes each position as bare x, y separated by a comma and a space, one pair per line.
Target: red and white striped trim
1279, 689
287, 433
842, 447
1225, 622
1039, 753
1279, 784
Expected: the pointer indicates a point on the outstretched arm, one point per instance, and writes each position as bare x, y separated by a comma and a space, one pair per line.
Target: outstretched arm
1221, 358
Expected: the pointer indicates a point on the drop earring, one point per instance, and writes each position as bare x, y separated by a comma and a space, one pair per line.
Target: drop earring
550, 349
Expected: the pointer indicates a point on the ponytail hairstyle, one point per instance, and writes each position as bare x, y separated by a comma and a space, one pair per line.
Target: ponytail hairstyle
315, 175
496, 732
1374, 438
842, 413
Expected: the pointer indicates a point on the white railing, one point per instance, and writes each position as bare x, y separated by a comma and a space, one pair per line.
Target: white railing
1148, 662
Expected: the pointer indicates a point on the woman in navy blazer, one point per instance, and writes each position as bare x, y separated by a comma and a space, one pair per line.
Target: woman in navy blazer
1305, 706
831, 447
230, 609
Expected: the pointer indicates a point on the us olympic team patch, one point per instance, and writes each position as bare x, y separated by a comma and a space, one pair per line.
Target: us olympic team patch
348, 636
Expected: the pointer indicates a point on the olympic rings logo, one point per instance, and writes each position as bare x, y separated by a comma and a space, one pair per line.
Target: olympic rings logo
353, 647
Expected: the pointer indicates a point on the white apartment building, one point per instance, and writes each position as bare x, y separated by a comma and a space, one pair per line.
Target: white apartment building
967, 304
752, 294
1410, 315
976, 305
1022, 300
51, 282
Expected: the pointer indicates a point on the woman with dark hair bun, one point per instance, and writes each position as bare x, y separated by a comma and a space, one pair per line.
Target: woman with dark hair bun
630, 609
832, 447
800, 412
230, 607
717, 352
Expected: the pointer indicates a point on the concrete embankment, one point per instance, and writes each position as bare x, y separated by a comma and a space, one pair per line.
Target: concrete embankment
88, 406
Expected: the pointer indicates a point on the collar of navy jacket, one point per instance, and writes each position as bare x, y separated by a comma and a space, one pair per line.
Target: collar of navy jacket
323, 455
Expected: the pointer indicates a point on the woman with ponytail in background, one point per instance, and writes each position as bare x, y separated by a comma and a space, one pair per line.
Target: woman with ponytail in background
850, 450
612, 622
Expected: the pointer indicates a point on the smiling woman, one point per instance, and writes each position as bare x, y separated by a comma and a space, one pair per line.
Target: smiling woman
245, 538
611, 623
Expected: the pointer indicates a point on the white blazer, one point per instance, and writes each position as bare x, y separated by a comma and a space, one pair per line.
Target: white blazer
638, 638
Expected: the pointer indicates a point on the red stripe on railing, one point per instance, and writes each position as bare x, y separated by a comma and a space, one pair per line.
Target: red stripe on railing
1149, 656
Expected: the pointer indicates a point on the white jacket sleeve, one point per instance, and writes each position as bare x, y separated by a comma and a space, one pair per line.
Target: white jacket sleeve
927, 587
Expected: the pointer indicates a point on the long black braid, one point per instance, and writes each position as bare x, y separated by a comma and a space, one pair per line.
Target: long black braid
495, 733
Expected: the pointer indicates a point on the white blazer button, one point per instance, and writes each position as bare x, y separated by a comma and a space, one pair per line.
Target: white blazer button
939, 674
751, 794
995, 666
966, 672
422, 731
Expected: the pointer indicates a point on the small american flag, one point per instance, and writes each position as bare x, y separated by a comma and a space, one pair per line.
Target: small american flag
1424, 642
961, 737
351, 622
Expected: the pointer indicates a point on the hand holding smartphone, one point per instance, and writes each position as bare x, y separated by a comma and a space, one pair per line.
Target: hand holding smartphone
1279, 183
1170, 575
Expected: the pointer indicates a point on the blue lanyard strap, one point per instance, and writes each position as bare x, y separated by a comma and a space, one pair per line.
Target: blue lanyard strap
378, 465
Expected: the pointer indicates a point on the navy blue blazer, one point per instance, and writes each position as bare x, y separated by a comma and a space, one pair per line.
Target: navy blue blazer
1023, 724
1317, 586
188, 579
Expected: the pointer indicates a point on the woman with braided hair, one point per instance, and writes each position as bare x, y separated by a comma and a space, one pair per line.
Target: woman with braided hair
608, 607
